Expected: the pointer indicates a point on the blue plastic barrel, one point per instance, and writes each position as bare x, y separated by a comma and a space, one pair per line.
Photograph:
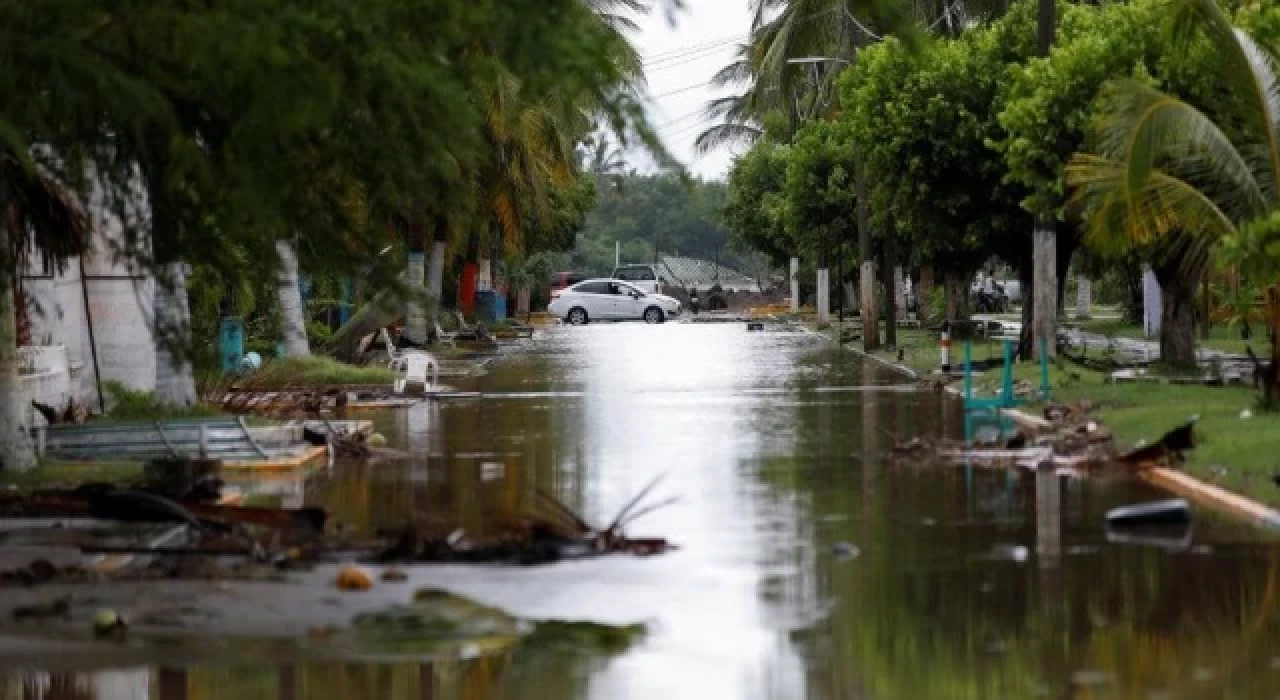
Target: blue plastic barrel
231, 343
490, 306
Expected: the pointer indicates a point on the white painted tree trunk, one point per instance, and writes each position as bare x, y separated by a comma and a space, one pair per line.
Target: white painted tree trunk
16, 451
795, 285
867, 297
289, 297
484, 274
1084, 297
1045, 293
523, 295
175, 383
435, 274
1152, 303
823, 300
415, 317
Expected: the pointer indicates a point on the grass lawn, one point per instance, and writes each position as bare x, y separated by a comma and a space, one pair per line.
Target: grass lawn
1221, 337
314, 371
1248, 448
55, 472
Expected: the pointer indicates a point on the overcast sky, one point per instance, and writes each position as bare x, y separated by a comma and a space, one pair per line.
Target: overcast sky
679, 61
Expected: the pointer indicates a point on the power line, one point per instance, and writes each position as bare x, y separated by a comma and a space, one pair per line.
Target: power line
678, 91
683, 117
682, 59
670, 53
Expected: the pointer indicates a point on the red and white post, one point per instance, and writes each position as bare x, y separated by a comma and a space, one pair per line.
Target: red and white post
944, 347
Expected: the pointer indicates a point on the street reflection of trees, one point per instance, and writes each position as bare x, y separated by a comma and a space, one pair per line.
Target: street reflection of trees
926, 612
443, 487
531, 675
915, 620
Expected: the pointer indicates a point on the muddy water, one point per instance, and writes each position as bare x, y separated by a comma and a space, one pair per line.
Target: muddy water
807, 568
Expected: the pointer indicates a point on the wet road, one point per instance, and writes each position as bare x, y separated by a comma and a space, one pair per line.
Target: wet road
808, 568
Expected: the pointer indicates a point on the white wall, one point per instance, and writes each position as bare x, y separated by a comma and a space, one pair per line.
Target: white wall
121, 300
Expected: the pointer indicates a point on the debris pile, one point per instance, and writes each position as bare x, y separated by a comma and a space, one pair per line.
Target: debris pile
150, 532
535, 538
1073, 441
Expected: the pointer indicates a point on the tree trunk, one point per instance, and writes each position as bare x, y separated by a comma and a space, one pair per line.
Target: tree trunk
899, 291
289, 298
955, 289
1045, 291
822, 295
1272, 375
1177, 318
435, 266
890, 299
1046, 25
1084, 285
175, 383
795, 285
924, 290
866, 276
1206, 311
16, 450
1026, 344
1084, 297
1152, 303
523, 295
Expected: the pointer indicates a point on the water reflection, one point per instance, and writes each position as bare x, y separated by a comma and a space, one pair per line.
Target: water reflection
968, 583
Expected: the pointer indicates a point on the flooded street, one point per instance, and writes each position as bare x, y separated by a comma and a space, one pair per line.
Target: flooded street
807, 567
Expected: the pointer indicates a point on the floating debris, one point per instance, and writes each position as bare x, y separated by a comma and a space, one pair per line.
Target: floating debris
394, 575
535, 538
353, 578
845, 550
1175, 511
60, 607
109, 623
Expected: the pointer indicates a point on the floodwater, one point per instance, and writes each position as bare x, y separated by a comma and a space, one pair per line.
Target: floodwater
807, 568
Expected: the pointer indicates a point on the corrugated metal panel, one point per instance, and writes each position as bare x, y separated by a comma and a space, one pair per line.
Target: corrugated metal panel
223, 438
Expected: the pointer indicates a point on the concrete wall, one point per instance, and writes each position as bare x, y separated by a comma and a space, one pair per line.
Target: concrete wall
121, 301
45, 377
121, 297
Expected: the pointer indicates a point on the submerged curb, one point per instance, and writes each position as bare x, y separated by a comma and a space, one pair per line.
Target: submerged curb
1213, 496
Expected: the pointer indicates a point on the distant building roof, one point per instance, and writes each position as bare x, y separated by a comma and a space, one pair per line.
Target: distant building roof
694, 272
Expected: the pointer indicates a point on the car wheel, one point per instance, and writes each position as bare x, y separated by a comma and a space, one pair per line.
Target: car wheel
654, 315
577, 316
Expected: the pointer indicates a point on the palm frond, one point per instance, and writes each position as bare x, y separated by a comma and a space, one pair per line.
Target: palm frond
1116, 215
1147, 130
726, 134
1250, 67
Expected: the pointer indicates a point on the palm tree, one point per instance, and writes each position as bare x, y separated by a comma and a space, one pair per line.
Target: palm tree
289, 299
531, 146
1166, 175
38, 216
790, 64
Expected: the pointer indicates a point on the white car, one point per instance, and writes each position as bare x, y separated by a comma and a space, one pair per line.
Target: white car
611, 300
